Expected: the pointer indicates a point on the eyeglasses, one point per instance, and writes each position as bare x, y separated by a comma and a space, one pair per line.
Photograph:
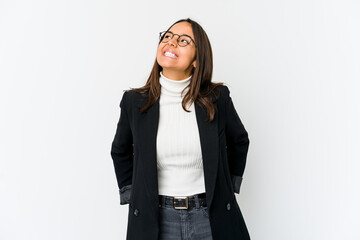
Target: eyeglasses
182, 40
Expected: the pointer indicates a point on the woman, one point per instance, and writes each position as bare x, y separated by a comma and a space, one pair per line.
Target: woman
180, 149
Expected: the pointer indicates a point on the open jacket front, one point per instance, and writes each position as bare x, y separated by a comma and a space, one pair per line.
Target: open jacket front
224, 146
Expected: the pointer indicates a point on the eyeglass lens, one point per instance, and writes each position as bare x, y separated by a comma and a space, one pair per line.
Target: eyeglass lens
182, 40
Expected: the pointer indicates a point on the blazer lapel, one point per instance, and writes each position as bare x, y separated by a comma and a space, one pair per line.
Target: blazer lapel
148, 126
209, 148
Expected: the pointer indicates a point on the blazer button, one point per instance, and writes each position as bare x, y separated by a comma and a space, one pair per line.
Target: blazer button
228, 206
136, 212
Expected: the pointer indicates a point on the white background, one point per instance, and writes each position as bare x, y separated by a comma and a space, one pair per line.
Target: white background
293, 70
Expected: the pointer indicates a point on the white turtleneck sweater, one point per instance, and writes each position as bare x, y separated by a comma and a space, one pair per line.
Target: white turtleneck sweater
179, 158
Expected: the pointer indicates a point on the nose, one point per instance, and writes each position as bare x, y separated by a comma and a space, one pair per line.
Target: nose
173, 41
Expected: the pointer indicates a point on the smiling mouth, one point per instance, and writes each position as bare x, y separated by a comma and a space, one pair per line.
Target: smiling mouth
170, 55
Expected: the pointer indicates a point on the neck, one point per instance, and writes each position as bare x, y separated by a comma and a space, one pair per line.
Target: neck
175, 75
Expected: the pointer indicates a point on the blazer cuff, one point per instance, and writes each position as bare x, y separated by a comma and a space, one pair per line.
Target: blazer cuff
125, 194
236, 181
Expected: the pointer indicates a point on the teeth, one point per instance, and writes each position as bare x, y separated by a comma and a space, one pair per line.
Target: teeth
170, 54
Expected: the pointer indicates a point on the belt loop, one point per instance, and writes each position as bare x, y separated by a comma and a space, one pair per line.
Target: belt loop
161, 201
197, 202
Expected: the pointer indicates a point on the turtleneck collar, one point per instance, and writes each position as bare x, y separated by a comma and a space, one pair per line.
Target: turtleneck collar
173, 87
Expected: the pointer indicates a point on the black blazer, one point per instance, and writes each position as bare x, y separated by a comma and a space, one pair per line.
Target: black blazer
224, 146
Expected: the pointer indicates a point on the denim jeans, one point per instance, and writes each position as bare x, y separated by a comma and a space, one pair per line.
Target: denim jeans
184, 224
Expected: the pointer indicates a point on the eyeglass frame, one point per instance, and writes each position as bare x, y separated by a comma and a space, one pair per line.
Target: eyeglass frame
177, 40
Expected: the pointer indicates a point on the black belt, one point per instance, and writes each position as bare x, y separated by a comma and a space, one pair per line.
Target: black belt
182, 202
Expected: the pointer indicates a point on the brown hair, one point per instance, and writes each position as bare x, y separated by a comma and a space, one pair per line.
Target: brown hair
200, 86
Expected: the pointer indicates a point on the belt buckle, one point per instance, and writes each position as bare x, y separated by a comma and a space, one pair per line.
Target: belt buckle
186, 203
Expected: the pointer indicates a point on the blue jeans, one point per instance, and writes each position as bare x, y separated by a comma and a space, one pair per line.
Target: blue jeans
184, 224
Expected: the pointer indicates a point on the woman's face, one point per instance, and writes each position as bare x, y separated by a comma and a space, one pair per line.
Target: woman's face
180, 66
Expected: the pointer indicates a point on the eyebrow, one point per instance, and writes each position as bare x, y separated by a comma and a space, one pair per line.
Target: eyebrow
181, 34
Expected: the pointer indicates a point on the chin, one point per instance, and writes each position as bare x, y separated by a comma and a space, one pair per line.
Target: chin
167, 64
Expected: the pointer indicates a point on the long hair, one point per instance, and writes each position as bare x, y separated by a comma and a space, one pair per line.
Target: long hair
200, 87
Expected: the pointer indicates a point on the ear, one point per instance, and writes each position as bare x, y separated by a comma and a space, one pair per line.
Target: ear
194, 63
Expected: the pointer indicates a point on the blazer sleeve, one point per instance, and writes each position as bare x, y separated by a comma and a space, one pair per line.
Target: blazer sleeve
122, 153
237, 142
